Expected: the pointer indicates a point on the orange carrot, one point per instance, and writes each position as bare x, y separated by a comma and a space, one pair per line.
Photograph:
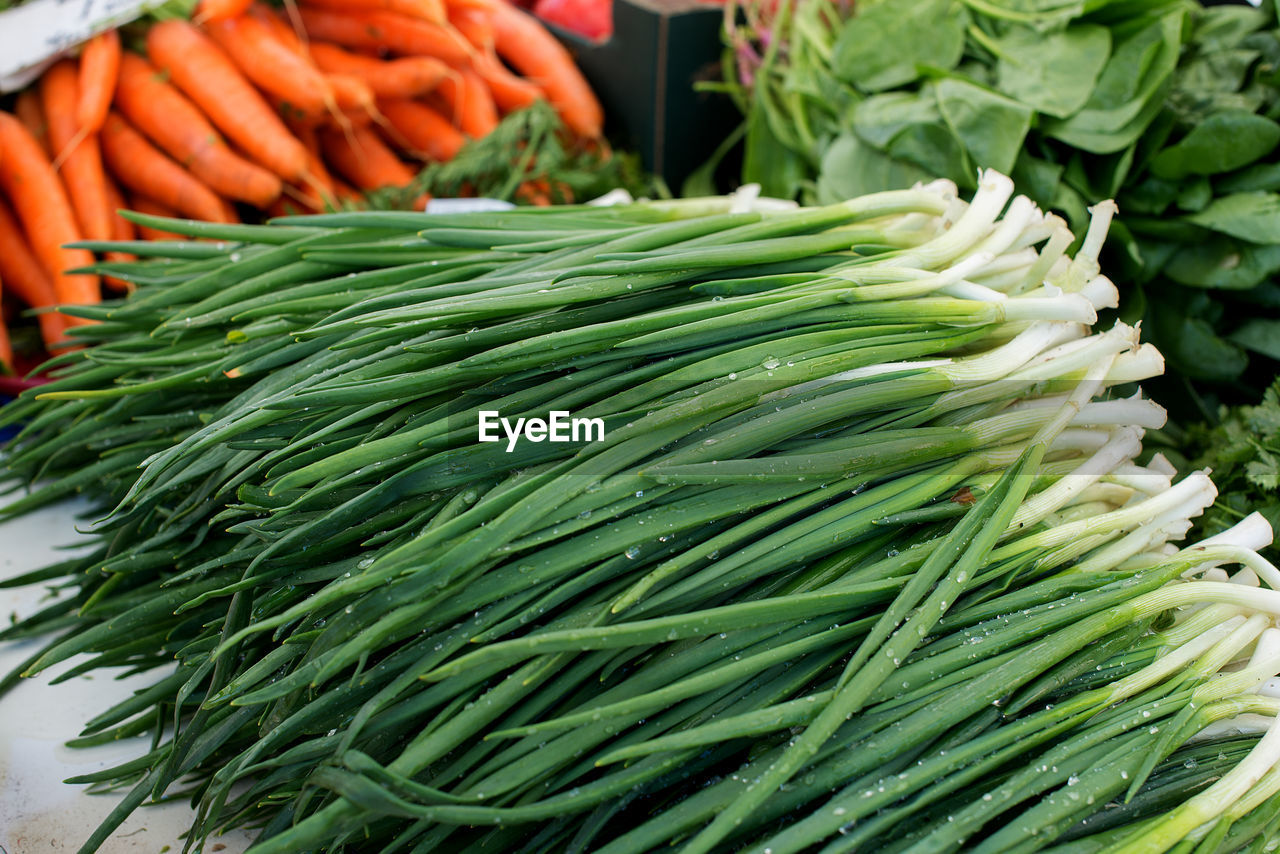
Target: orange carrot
6, 346
474, 24
121, 229
45, 212
351, 93
145, 205
165, 115
387, 30
274, 67
535, 53
81, 158
280, 27
221, 10
208, 77
406, 77
426, 10
465, 98
25, 277
99, 68
320, 190
30, 112
145, 170
509, 91
363, 159
423, 129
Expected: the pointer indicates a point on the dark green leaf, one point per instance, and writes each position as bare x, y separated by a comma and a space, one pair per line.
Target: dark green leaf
1190, 344
1221, 143
1220, 262
1260, 336
1260, 176
990, 126
852, 168
1224, 27
1127, 96
1038, 179
880, 118
1195, 195
881, 47
1054, 73
935, 150
1249, 216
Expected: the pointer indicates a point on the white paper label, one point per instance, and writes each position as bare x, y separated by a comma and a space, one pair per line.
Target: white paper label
35, 33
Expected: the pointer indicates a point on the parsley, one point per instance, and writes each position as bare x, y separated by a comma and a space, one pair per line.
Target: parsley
527, 158
1243, 449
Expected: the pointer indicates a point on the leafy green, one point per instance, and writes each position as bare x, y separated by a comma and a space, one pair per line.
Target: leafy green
1170, 108
886, 45
991, 127
1221, 143
529, 145
1243, 450
1253, 216
1052, 73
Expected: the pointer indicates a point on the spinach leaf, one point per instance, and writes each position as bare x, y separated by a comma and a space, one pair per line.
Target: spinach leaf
1221, 143
1261, 336
1253, 216
1129, 92
1222, 262
886, 42
851, 168
880, 118
990, 126
1052, 73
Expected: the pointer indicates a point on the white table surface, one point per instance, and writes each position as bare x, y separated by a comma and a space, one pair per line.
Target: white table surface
39, 814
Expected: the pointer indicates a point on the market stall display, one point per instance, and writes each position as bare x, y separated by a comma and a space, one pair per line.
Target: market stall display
254, 112
721, 523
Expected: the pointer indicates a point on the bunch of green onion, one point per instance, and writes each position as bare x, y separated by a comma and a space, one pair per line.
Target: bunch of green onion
864, 560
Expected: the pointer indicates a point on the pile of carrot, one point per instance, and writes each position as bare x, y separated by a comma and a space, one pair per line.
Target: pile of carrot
250, 110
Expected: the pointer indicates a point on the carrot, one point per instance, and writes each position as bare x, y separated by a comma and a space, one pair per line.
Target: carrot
509, 91
99, 69
208, 77
45, 212
81, 158
146, 170
351, 93
25, 277
466, 99
221, 10
121, 229
143, 204
474, 24
30, 112
280, 27
427, 10
363, 159
387, 30
535, 53
165, 115
320, 191
273, 67
6, 346
455, 6
405, 77
424, 130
